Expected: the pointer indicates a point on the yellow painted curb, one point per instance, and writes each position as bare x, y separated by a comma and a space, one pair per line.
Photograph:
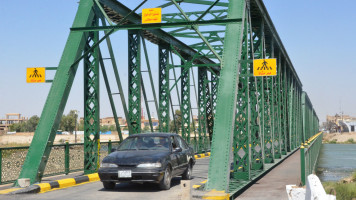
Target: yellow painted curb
66, 182
204, 181
93, 177
9, 190
44, 187
218, 195
196, 186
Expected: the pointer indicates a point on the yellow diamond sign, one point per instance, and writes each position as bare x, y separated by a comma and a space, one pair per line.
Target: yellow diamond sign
265, 67
36, 75
151, 15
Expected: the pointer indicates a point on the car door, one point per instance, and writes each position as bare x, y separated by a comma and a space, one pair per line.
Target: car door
174, 157
183, 155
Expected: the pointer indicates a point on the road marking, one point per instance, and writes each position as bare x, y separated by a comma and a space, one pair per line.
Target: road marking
9, 190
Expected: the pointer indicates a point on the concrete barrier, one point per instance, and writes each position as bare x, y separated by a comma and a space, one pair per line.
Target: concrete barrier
314, 190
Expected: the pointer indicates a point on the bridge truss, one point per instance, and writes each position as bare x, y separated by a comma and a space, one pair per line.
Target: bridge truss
247, 122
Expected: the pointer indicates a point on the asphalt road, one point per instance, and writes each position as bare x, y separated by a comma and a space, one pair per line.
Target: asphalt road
122, 191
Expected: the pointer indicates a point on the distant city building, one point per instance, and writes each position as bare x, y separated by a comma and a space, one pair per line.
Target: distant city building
11, 118
341, 123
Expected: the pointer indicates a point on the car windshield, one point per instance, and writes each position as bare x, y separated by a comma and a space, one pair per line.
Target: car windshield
145, 143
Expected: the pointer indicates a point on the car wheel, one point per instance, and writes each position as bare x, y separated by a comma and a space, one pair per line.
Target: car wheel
165, 183
187, 175
109, 185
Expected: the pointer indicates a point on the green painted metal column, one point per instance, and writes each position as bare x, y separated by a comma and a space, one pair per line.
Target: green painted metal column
52, 112
284, 109
164, 94
241, 140
91, 103
202, 101
185, 101
134, 53
219, 167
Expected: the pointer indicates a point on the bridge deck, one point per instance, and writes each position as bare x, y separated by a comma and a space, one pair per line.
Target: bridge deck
273, 185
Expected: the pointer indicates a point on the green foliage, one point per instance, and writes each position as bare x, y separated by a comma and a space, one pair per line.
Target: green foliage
28, 126
104, 128
178, 119
81, 125
354, 177
342, 190
68, 122
351, 141
146, 129
334, 141
112, 128
31, 124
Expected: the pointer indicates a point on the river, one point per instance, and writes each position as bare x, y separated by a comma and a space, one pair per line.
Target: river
336, 161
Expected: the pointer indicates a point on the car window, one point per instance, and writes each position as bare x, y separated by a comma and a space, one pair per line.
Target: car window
145, 143
181, 143
174, 142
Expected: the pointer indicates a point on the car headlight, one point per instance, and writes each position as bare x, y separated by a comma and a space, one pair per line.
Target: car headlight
150, 165
108, 165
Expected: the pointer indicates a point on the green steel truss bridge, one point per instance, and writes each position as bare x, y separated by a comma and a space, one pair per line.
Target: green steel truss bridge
246, 122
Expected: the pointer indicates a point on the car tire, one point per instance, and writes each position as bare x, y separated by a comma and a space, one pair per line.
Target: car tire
187, 175
109, 185
165, 183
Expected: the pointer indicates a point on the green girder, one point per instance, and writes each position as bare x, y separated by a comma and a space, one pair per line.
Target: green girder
134, 70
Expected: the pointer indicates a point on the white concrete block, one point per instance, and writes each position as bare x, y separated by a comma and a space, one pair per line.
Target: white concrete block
23, 182
315, 190
186, 190
295, 193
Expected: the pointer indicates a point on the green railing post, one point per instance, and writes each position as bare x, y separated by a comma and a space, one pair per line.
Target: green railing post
109, 147
66, 158
302, 164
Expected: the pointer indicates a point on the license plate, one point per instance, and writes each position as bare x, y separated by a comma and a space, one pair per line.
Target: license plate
124, 174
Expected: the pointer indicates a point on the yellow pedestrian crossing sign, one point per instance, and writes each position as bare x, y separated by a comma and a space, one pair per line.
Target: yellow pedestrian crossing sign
265, 67
36, 75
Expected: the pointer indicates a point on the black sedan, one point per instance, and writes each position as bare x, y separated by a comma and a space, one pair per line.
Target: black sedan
149, 157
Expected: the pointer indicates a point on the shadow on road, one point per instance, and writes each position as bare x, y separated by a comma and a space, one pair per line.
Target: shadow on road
138, 187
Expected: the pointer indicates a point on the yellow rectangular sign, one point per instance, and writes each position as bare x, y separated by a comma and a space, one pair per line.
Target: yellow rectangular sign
36, 75
265, 67
151, 15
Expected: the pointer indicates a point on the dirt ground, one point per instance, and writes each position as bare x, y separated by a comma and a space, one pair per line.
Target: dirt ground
339, 137
26, 138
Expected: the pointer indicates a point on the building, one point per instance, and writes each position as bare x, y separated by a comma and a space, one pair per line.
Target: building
11, 118
341, 123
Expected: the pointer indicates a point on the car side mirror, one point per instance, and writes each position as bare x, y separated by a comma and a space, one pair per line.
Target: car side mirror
113, 150
178, 149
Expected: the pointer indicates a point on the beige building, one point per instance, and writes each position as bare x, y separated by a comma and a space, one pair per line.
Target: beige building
11, 118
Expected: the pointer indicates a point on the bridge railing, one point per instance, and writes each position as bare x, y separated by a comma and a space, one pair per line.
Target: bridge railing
309, 153
64, 159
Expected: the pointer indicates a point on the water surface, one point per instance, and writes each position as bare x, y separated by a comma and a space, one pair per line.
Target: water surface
336, 161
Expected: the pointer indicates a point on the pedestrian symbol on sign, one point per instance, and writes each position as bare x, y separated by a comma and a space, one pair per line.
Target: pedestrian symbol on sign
35, 74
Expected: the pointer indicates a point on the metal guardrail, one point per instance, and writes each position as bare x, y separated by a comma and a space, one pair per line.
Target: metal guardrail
309, 153
64, 159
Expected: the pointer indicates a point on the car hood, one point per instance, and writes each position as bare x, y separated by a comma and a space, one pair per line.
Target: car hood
135, 157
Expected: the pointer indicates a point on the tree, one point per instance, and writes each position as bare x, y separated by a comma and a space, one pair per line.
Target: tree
31, 124
28, 126
18, 127
104, 129
68, 122
178, 122
146, 128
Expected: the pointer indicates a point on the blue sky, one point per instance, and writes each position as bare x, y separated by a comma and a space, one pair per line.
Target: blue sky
318, 36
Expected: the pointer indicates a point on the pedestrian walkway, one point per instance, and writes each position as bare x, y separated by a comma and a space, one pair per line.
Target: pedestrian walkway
273, 184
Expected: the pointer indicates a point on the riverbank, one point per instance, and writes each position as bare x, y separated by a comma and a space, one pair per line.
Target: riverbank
25, 139
339, 138
344, 189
